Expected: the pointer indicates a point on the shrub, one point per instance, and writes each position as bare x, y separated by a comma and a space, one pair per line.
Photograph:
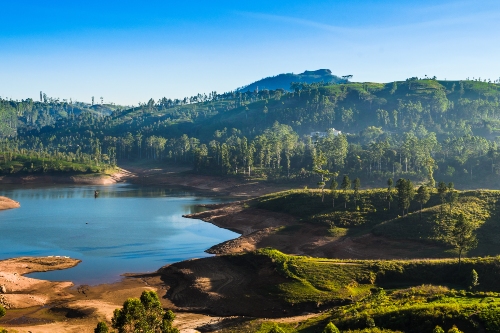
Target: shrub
276, 329
143, 315
437, 329
454, 329
101, 328
331, 328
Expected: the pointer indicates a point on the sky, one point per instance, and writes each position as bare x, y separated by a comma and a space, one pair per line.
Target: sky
130, 51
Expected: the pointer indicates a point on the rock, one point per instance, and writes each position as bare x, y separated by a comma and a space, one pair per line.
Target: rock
3, 289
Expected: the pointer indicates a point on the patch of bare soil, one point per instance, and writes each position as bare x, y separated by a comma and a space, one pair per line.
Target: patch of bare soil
225, 287
6, 203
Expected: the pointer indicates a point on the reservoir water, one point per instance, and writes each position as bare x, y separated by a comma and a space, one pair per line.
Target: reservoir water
126, 229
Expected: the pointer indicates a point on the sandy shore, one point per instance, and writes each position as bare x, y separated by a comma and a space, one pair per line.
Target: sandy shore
6, 203
44, 307
19, 291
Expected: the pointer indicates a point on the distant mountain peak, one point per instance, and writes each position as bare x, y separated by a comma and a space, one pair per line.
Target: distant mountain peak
283, 81
318, 72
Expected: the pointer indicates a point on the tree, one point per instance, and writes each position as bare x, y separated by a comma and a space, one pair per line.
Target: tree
101, 328
473, 280
346, 185
143, 315
319, 168
330, 328
406, 192
423, 195
462, 235
389, 191
357, 185
442, 189
452, 196
333, 187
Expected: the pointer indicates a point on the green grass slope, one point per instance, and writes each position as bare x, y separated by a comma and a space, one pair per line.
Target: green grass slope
383, 296
371, 214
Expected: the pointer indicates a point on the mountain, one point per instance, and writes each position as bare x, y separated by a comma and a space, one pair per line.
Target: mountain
283, 81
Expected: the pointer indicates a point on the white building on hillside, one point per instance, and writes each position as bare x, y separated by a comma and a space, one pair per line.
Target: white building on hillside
319, 135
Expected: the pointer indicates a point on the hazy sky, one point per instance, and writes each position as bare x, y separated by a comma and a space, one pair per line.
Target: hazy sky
130, 51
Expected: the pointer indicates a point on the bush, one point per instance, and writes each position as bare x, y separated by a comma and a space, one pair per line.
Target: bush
143, 315
437, 329
101, 328
276, 329
454, 329
331, 328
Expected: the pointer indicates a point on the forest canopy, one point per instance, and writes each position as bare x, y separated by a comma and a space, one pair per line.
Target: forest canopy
417, 128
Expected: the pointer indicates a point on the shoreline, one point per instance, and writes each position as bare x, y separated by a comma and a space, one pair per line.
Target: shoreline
168, 175
19, 291
80, 179
48, 305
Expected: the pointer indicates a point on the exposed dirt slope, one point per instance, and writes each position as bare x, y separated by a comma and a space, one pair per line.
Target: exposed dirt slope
261, 228
220, 285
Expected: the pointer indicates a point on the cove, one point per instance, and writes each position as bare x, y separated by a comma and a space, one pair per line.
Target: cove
126, 229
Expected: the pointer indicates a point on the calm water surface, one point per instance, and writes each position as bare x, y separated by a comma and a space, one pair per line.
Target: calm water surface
126, 229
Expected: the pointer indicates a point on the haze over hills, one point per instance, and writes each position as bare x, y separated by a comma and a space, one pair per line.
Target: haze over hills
418, 128
283, 81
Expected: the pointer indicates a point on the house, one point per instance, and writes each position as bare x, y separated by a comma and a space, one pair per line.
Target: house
319, 135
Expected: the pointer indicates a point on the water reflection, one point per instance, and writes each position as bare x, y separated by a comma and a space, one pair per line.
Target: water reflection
126, 229
116, 191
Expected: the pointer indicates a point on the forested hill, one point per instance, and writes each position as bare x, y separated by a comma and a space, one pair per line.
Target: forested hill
417, 128
284, 81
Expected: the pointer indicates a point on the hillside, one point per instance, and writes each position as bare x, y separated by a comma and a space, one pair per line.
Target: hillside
422, 129
339, 271
353, 294
300, 222
284, 81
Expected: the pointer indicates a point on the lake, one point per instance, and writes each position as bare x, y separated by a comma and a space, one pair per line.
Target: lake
126, 229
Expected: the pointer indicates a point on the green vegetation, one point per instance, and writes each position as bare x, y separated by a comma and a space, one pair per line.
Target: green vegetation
2, 313
383, 296
432, 221
31, 162
410, 296
416, 129
102, 327
142, 315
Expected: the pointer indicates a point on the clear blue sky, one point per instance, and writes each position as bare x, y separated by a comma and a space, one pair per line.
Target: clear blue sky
130, 51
